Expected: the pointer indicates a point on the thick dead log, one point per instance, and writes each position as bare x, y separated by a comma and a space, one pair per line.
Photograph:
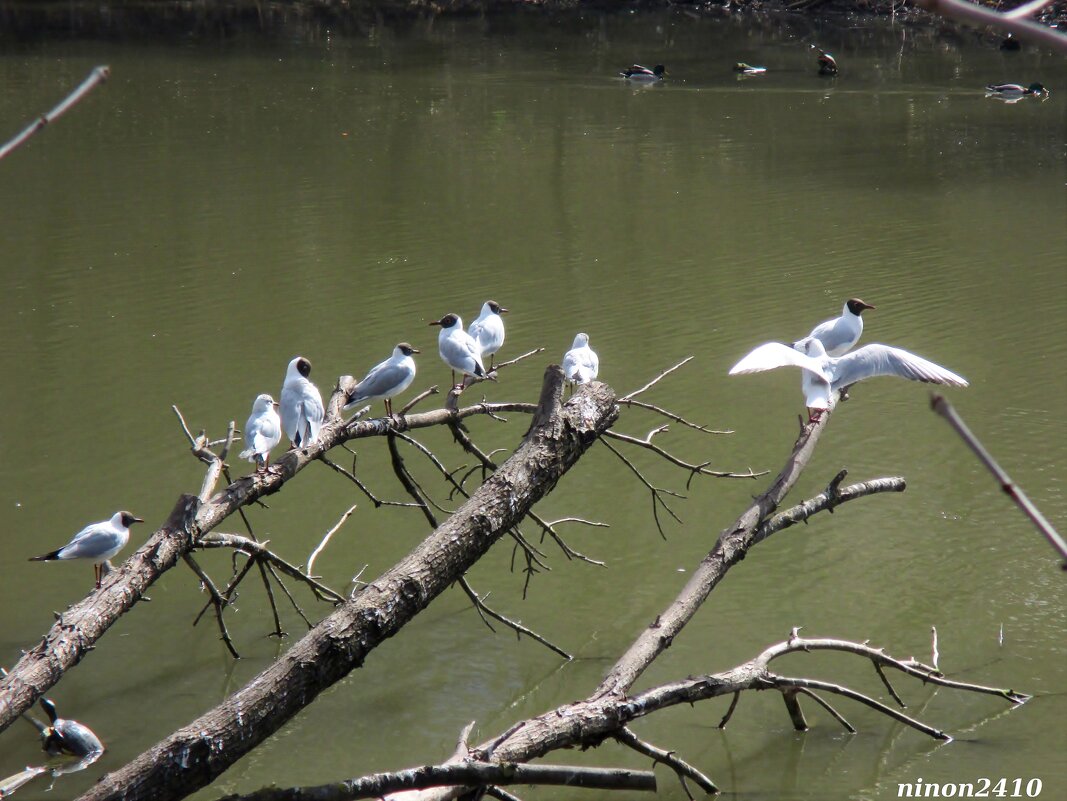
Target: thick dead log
197, 753
77, 630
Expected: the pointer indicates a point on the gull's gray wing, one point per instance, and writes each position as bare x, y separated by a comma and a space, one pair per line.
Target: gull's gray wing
875, 360
381, 381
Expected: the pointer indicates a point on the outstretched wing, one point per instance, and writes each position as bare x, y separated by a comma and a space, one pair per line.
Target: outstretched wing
875, 360
770, 355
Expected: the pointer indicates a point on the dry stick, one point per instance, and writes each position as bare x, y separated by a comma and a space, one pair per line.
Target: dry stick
656, 499
326, 539
1027, 9
944, 408
481, 606
97, 76
678, 765
196, 754
630, 396
889, 686
216, 599
502, 795
980, 17
547, 528
672, 416
218, 539
694, 469
826, 705
730, 712
405, 479
461, 773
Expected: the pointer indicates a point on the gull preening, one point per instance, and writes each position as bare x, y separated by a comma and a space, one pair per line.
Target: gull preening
841, 333
301, 404
580, 363
488, 329
262, 431
386, 380
458, 348
825, 376
97, 541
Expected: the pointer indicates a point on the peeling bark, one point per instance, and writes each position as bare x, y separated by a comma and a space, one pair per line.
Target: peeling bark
196, 754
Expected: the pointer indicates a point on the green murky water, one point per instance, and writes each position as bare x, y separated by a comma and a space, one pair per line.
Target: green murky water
220, 206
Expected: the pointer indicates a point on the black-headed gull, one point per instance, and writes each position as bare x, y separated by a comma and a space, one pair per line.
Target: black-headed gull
580, 363
841, 333
825, 376
97, 541
262, 431
386, 379
488, 329
301, 404
457, 348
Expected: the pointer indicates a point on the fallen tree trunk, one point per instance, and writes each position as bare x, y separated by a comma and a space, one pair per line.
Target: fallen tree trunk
78, 629
196, 754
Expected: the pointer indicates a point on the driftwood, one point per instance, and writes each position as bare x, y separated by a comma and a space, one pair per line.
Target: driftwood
79, 627
193, 756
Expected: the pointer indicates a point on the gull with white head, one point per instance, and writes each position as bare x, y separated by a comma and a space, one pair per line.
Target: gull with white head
262, 431
580, 363
488, 330
825, 376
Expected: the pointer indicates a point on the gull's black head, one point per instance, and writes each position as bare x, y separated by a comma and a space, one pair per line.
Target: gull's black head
447, 321
496, 307
406, 348
856, 306
128, 519
303, 366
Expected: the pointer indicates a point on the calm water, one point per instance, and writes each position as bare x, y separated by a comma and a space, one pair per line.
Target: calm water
218, 207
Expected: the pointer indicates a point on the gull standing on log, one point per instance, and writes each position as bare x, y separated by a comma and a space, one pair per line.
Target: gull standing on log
458, 348
580, 363
488, 329
301, 404
262, 431
386, 379
841, 333
825, 376
97, 541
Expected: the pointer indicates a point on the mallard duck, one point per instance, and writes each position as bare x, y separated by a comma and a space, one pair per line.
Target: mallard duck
639, 73
1016, 90
748, 69
827, 65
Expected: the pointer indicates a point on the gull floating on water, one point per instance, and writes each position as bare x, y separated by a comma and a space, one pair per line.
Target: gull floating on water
841, 333
97, 541
301, 404
387, 379
458, 348
825, 376
262, 431
488, 329
580, 363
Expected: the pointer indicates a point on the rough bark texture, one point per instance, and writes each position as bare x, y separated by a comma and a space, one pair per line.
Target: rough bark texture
196, 754
76, 632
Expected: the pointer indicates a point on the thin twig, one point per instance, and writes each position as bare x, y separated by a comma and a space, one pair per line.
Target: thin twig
484, 609
671, 415
668, 758
654, 381
656, 499
217, 600
694, 469
827, 706
326, 538
218, 539
96, 77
